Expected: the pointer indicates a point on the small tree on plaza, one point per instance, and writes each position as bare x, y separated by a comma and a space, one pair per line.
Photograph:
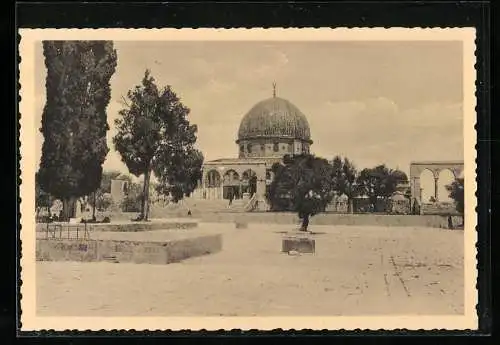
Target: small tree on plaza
178, 175
379, 182
154, 135
74, 121
305, 180
344, 178
132, 202
456, 192
42, 199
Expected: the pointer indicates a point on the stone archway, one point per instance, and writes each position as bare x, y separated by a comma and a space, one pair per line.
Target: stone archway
212, 183
249, 182
416, 169
232, 184
446, 178
213, 179
427, 186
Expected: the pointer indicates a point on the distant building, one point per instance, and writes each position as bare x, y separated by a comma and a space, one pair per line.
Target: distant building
119, 188
271, 129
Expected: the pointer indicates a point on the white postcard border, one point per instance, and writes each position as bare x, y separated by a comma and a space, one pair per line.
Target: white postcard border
30, 321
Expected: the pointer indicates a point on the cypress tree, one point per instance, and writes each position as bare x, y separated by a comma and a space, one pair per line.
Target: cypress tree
74, 121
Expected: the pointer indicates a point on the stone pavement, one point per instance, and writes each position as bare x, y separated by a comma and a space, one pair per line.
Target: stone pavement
355, 271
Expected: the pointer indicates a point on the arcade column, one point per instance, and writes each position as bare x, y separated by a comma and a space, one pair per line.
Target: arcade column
261, 181
415, 191
261, 186
436, 183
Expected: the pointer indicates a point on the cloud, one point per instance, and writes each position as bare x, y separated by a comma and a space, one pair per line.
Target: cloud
377, 130
374, 102
270, 65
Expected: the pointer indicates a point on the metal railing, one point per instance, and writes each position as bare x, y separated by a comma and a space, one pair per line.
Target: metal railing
68, 231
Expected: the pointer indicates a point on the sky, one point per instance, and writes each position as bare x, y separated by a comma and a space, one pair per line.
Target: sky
373, 102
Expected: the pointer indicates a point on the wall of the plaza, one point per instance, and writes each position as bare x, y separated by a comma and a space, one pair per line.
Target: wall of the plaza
432, 221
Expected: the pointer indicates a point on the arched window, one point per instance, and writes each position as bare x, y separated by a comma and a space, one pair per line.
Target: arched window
263, 147
249, 148
213, 179
231, 178
276, 147
242, 148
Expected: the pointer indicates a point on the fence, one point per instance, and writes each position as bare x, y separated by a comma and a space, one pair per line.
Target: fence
68, 231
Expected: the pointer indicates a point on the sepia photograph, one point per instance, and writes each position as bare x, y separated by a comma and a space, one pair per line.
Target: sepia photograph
248, 178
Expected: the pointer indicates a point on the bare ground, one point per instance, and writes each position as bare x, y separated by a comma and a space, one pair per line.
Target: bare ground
355, 271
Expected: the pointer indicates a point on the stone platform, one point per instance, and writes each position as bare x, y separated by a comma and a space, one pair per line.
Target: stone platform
125, 226
153, 247
298, 242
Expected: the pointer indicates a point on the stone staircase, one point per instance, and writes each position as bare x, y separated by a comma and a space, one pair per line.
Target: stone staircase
202, 206
196, 206
238, 205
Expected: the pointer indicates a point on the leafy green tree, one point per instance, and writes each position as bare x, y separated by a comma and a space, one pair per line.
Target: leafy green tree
178, 176
154, 135
399, 176
379, 182
277, 194
104, 202
456, 192
74, 121
305, 182
42, 199
344, 178
134, 198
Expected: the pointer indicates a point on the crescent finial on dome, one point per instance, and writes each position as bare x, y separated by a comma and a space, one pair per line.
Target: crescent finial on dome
274, 89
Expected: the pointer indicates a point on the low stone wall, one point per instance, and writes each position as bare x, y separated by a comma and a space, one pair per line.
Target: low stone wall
127, 251
117, 215
66, 250
440, 209
125, 227
432, 221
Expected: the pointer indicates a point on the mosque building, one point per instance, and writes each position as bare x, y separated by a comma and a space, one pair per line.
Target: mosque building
271, 129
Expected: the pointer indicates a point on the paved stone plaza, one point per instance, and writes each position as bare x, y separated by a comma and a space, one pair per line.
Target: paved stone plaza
355, 271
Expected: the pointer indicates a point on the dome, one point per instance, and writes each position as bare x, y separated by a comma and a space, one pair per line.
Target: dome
274, 118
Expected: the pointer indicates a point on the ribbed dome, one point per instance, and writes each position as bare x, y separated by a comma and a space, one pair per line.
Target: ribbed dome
274, 117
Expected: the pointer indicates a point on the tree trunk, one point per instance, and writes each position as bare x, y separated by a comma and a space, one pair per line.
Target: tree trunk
93, 207
305, 222
373, 204
145, 196
68, 209
350, 206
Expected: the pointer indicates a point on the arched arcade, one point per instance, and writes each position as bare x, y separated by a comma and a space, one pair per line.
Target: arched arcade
428, 181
